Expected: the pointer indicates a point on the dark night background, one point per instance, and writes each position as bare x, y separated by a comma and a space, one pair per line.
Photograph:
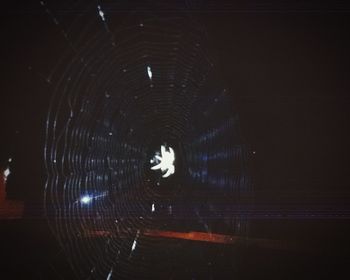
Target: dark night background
288, 68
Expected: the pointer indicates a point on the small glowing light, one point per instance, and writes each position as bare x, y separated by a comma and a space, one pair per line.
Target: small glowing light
166, 164
153, 207
88, 198
7, 172
149, 72
10, 160
85, 199
101, 13
134, 245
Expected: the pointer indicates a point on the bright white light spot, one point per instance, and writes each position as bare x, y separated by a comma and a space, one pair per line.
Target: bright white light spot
101, 13
85, 199
153, 207
134, 245
149, 72
10, 160
7, 172
166, 164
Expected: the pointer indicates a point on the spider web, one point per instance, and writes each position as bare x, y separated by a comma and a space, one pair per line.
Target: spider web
122, 89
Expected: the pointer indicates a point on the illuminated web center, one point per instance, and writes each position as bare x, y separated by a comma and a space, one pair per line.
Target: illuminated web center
165, 161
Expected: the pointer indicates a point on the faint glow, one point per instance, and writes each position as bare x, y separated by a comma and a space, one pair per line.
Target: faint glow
7, 172
193, 235
153, 207
86, 199
101, 13
149, 72
166, 164
10, 160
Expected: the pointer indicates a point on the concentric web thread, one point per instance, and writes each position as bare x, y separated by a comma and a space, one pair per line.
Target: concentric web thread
121, 90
